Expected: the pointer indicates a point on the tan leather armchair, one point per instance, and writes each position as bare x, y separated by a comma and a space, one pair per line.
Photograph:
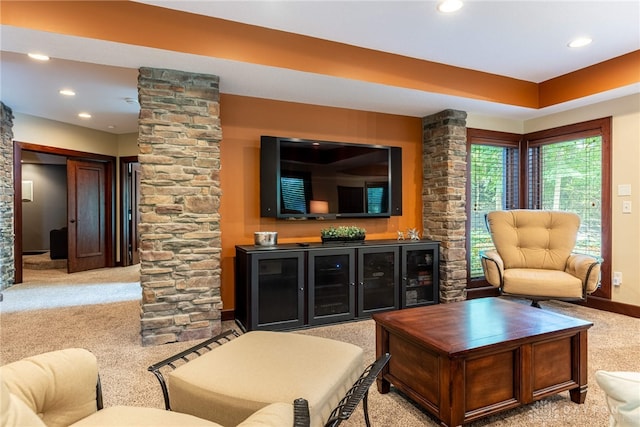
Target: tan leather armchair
61, 388
533, 256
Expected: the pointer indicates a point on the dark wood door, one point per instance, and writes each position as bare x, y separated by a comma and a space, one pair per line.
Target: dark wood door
86, 215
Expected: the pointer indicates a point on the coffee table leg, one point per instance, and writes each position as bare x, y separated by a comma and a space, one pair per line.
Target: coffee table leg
578, 394
383, 385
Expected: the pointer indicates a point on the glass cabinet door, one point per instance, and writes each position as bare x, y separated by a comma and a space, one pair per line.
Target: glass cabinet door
331, 286
279, 293
378, 272
420, 275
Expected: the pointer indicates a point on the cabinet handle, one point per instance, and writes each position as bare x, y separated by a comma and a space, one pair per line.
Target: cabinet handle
352, 284
302, 289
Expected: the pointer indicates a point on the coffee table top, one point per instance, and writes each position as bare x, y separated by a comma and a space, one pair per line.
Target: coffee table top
472, 324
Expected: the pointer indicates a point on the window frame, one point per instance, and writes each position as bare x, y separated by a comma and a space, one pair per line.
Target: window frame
598, 127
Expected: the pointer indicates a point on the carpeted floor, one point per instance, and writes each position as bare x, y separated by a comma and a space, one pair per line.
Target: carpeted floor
111, 331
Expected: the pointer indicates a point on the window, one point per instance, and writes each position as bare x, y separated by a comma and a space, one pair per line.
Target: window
493, 185
566, 168
567, 176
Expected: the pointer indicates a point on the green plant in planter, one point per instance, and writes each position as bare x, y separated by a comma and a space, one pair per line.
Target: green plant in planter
343, 232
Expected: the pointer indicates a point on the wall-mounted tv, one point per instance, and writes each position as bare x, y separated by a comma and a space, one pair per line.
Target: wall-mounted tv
302, 178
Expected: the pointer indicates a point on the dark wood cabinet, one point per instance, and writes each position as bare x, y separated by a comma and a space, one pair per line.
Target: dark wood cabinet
378, 279
270, 289
420, 276
331, 279
291, 286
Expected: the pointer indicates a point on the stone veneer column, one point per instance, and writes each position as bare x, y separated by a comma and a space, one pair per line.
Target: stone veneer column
7, 261
179, 152
444, 162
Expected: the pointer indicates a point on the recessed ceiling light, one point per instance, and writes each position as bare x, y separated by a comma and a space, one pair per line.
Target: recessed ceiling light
580, 42
67, 92
38, 56
84, 115
450, 6
111, 126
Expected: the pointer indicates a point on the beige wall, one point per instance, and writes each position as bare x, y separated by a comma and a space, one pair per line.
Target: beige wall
128, 145
35, 130
626, 160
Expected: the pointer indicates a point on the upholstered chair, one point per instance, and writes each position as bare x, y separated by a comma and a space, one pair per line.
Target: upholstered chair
62, 388
533, 256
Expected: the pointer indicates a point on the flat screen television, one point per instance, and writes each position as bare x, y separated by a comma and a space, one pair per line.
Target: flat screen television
302, 179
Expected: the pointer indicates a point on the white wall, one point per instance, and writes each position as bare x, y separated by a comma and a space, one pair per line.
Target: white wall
625, 113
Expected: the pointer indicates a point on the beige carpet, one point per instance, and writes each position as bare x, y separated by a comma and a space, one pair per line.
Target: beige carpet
111, 332
43, 261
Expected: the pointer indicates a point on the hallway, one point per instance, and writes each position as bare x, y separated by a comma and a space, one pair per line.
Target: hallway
43, 289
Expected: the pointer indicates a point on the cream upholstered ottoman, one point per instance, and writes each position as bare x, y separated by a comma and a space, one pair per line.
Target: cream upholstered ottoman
233, 381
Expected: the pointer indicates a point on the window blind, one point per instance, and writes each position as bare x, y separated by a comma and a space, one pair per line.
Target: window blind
567, 176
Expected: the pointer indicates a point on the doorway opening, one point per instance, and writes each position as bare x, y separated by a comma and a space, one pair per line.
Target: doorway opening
87, 199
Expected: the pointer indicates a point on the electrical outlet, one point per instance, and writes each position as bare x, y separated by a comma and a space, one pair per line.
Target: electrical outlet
617, 278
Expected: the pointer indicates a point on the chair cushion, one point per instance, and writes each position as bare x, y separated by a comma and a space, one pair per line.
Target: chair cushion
274, 415
534, 238
14, 412
545, 283
232, 381
119, 416
42, 383
623, 396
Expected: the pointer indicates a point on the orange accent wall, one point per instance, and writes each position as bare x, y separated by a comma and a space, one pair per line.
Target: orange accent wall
245, 119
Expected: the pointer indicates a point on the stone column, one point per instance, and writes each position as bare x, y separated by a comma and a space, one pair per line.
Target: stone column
7, 261
444, 162
180, 250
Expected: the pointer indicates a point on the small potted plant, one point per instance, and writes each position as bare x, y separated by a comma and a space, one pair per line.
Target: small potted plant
343, 233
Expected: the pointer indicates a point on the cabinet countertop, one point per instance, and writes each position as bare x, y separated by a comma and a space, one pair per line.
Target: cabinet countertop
334, 245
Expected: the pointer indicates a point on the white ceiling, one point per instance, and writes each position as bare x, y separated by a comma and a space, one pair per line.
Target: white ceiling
521, 39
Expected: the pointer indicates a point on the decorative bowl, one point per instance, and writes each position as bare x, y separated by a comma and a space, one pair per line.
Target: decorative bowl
265, 238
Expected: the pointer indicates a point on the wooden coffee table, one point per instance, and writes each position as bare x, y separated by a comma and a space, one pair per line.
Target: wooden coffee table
467, 360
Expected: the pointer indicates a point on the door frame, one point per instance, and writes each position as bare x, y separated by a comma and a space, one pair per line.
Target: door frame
125, 205
109, 189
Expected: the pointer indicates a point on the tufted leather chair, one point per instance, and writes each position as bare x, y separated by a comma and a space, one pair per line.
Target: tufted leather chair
533, 256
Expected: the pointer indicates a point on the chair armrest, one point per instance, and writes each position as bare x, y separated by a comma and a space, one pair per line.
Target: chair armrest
301, 416
60, 385
493, 267
587, 269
